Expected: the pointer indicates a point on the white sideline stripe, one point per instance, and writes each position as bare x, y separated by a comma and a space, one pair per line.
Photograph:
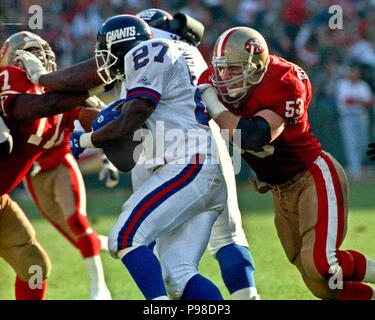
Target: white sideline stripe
81, 185
332, 212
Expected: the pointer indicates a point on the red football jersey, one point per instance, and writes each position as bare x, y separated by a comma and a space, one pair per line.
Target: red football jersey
286, 90
55, 156
30, 137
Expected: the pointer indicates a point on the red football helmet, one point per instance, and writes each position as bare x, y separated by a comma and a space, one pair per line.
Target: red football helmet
29, 41
241, 47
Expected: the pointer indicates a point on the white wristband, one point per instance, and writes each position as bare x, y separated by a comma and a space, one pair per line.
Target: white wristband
85, 140
214, 106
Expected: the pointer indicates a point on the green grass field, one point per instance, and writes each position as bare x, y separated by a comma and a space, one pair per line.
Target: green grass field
275, 278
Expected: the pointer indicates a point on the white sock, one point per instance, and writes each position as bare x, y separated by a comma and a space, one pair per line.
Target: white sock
249, 293
95, 271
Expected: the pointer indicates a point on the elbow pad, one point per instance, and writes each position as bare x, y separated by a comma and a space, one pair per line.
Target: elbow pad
255, 133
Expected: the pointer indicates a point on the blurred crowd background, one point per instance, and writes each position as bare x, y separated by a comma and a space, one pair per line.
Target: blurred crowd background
297, 30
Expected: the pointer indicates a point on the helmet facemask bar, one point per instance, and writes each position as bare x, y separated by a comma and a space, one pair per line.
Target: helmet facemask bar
105, 59
37, 46
248, 68
46, 56
249, 76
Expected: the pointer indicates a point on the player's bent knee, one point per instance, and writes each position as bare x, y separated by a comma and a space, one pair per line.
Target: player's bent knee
316, 281
33, 262
321, 290
176, 279
314, 269
113, 247
78, 223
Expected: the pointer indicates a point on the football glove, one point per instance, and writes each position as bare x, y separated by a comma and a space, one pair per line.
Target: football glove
371, 152
109, 173
33, 66
214, 106
107, 115
74, 139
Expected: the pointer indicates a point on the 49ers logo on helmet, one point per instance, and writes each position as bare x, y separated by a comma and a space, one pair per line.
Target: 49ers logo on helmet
254, 43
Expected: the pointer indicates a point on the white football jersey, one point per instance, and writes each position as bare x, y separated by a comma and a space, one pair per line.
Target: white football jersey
156, 69
191, 53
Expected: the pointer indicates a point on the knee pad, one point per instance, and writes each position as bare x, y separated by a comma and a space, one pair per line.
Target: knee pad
78, 223
89, 245
353, 264
30, 260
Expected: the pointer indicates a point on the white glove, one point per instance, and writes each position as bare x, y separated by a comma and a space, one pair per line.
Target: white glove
33, 66
109, 173
214, 106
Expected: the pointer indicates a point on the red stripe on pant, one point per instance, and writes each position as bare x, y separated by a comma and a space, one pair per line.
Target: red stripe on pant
320, 257
75, 185
88, 243
156, 198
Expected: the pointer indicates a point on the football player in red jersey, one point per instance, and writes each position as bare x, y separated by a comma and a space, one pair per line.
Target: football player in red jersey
36, 120
56, 185
266, 99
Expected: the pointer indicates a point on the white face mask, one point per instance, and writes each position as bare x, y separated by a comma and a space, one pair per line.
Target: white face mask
248, 76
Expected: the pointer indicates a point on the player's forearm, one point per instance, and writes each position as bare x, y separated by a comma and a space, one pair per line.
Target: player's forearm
33, 106
79, 77
228, 121
133, 116
248, 134
87, 116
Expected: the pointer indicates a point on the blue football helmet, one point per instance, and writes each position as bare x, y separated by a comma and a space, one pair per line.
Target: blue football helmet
116, 36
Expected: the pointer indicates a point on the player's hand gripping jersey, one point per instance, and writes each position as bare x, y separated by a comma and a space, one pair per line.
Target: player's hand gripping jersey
157, 67
286, 90
31, 137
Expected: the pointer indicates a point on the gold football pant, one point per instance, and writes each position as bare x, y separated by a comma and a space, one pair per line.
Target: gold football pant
60, 196
18, 244
311, 220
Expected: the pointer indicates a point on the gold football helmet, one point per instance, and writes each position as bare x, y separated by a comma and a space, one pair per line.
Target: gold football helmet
239, 47
28, 41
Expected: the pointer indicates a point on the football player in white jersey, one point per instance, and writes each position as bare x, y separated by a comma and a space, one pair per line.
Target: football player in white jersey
228, 241
185, 194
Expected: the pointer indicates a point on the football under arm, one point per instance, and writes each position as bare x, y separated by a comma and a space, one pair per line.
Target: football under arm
79, 77
116, 138
34, 106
